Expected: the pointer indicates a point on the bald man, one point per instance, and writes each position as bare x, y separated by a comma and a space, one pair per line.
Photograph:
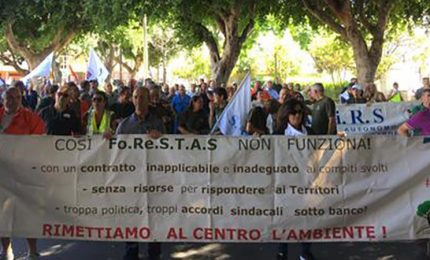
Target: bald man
17, 120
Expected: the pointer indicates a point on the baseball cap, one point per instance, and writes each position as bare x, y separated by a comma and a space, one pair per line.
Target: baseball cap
357, 86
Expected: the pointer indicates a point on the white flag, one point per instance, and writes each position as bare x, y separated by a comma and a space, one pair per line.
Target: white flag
96, 69
234, 115
42, 70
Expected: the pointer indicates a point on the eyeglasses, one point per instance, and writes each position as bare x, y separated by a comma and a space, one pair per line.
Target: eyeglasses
97, 99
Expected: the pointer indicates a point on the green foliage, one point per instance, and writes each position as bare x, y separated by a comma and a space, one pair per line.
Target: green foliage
187, 17
36, 23
331, 55
196, 65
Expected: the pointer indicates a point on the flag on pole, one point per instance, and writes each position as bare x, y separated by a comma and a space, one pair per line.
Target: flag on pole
96, 69
233, 117
42, 70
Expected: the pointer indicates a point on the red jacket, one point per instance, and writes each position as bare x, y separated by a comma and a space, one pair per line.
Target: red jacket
24, 122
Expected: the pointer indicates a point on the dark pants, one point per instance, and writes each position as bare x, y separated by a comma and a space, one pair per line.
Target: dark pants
132, 251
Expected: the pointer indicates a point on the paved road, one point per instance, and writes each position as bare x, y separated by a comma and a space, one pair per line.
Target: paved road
82, 250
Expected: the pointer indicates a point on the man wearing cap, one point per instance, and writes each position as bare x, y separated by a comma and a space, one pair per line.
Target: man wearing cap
357, 95
418, 124
17, 120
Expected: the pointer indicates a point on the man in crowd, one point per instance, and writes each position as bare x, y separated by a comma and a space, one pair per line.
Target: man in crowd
60, 119
323, 112
142, 121
272, 92
123, 107
162, 108
17, 120
49, 99
419, 92
111, 95
419, 123
217, 106
193, 90
180, 103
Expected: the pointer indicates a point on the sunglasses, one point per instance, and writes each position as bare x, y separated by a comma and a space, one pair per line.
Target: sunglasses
97, 99
294, 112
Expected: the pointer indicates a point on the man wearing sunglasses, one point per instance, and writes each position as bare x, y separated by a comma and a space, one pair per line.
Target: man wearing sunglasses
59, 118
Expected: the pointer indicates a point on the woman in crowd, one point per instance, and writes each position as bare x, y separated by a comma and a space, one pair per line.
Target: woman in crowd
371, 94
98, 120
194, 120
291, 122
291, 119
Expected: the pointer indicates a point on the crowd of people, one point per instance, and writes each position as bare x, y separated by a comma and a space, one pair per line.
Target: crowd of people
152, 109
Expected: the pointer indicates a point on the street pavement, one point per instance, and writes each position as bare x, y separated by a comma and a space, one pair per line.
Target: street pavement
91, 250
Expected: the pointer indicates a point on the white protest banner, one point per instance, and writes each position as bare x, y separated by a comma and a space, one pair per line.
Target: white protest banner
207, 188
377, 118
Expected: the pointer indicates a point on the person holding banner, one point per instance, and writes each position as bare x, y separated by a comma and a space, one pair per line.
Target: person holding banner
142, 121
418, 124
17, 120
290, 119
291, 123
98, 120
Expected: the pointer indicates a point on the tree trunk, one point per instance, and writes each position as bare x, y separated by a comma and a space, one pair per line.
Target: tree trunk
350, 20
164, 68
366, 63
33, 60
221, 70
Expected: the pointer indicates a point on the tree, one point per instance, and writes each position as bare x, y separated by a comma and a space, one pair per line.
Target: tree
34, 30
223, 26
165, 44
363, 24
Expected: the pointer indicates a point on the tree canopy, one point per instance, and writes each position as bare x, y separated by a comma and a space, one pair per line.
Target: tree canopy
363, 24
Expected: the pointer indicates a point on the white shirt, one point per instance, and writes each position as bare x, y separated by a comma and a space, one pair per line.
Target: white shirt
291, 131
